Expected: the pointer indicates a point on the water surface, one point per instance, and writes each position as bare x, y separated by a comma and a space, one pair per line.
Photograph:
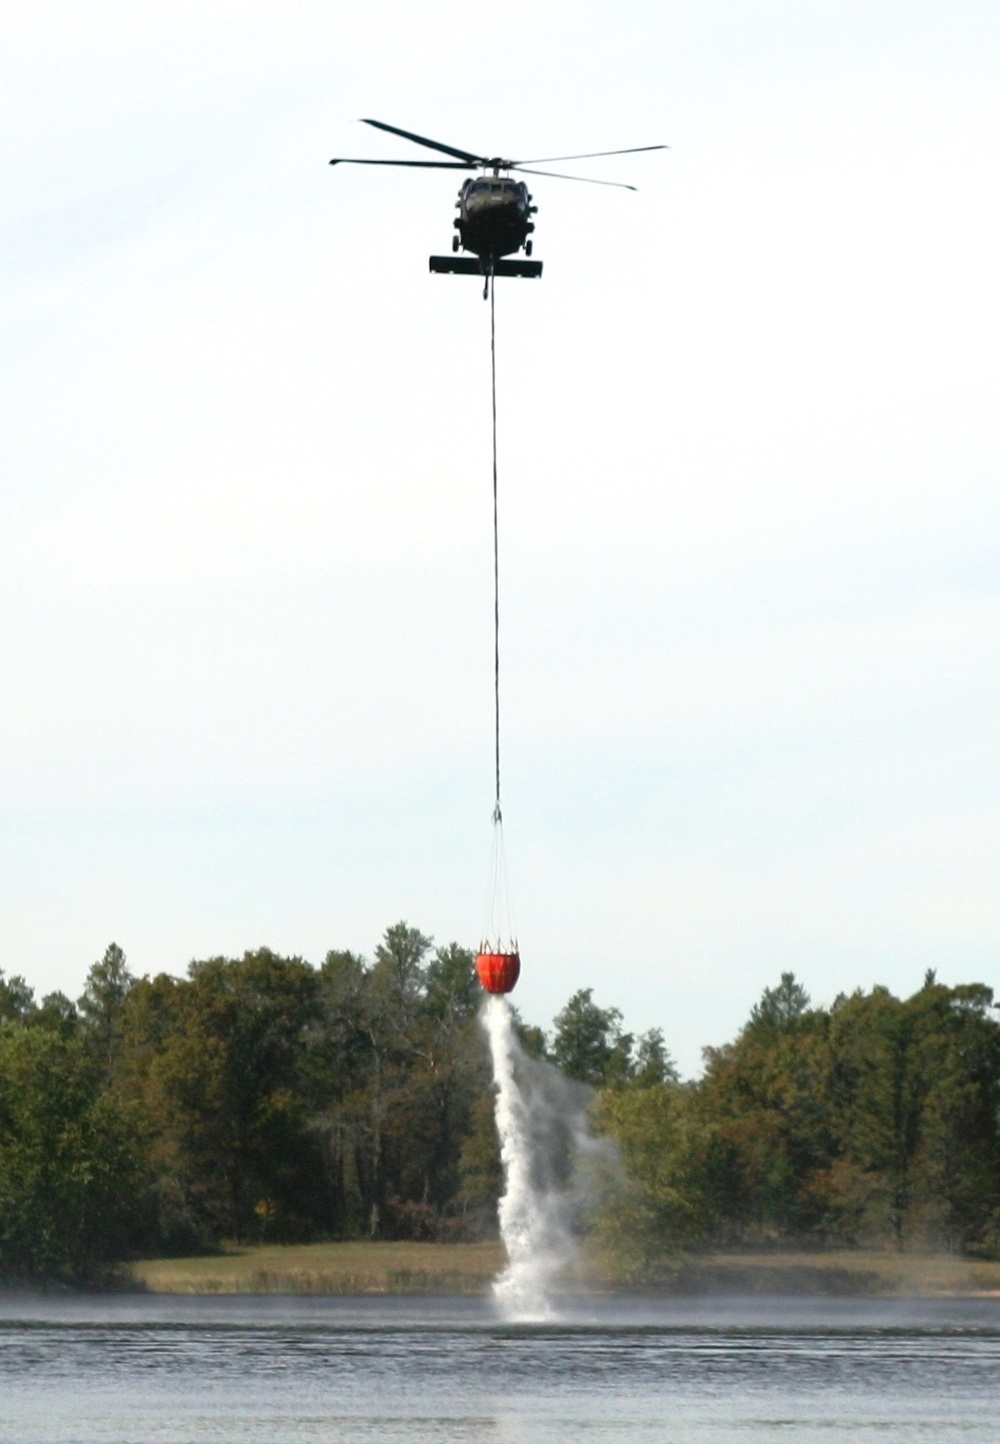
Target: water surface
188, 1371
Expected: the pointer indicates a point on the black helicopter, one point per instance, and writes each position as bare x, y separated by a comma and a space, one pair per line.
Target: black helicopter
494, 210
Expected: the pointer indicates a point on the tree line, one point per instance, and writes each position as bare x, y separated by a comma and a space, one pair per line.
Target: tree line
263, 1098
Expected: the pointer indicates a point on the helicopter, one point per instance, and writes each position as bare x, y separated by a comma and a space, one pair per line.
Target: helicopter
495, 209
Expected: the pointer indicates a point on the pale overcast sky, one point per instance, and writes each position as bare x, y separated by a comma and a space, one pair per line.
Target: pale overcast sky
749, 455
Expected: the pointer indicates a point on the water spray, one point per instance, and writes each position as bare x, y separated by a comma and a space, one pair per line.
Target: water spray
537, 1248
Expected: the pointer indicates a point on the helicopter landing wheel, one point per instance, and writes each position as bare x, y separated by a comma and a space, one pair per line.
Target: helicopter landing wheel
454, 243
527, 248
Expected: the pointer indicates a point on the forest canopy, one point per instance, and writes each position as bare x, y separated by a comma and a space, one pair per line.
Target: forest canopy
264, 1098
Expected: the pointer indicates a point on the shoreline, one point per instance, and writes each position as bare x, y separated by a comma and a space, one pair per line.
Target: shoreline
363, 1269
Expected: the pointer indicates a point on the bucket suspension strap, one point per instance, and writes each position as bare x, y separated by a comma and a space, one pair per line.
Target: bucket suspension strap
500, 924
496, 555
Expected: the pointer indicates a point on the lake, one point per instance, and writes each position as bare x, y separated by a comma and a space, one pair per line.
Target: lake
161, 1370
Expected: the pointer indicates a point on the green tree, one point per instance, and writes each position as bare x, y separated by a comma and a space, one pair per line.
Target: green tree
779, 1008
661, 1200
58, 1012
17, 1000
451, 990
653, 1063
956, 1047
531, 1038
102, 1004
876, 1105
339, 1063
72, 1173
399, 960
768, 1098
216, 1062
431, 1065
918, 1087
480, 1168
588, 1043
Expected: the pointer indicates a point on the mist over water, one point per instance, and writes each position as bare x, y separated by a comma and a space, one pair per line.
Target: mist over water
542, 1124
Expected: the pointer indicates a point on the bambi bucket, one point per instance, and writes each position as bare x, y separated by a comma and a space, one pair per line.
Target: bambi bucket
498, 972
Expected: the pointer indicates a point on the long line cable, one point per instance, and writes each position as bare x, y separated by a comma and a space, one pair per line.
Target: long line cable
496, 553
500, 924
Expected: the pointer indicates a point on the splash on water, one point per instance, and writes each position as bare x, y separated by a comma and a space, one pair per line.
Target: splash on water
541, 1123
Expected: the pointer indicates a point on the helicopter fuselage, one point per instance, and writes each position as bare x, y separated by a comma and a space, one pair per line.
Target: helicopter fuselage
494, 217
494, 210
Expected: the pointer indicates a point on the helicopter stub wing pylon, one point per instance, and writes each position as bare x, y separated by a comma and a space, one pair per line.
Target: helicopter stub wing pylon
472, 266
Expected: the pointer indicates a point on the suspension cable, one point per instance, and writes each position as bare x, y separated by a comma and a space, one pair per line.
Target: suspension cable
496, 552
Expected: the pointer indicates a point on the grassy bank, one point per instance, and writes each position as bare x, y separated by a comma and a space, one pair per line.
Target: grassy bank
839, 1272
430, 1268
468, 1268
328, 1268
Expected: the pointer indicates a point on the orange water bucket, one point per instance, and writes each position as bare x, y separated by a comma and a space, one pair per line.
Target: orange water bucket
498, 972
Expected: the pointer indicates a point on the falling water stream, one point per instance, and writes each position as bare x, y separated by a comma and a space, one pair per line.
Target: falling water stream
535, 1212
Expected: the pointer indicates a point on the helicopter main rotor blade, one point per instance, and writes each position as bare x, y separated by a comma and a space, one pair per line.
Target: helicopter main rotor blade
587, 179
423, 164
589, 155
422, 140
